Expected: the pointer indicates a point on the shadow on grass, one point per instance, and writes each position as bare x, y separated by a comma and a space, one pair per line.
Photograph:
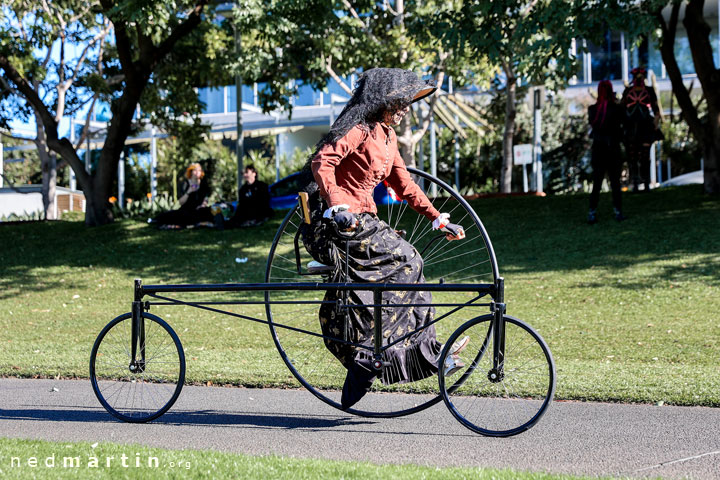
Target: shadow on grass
532, 235
42, 256
529, 234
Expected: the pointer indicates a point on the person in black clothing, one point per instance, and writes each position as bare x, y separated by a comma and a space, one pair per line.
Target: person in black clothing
606, 118
641, 127
253, 207
193, 202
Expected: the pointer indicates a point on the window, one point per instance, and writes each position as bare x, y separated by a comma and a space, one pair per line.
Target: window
248, 96
213, 98
606, 58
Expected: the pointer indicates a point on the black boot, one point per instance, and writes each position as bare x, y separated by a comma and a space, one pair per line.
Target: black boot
358, 381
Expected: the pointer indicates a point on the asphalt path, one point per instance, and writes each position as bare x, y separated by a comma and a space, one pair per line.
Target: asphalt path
573, 437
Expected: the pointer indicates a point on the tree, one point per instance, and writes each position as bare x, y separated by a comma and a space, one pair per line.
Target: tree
705, 129
529, 40
142, 67
317, 40
22, 21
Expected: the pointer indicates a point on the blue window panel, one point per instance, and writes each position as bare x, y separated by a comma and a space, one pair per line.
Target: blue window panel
334, 88
606, 58
307, 96
248, 96
213, 98
655, 62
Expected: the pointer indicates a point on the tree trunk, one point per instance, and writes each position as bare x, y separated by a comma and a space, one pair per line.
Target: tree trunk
706, 133
49, 182
711, 164
508, 134
406, 145
709, 76
48, 169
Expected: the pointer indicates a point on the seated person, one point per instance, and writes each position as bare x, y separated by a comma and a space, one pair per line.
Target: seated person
253, 207
193, 202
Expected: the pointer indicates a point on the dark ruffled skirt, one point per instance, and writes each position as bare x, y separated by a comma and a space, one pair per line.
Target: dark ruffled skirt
378, 254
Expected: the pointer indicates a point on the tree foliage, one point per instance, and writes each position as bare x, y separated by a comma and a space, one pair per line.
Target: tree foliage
159, 52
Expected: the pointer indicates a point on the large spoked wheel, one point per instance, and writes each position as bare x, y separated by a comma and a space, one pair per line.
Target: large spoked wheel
137, 391
468, 261
503, 400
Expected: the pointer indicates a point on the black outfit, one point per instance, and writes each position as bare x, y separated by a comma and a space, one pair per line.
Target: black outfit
253, 205
188, 213
640, 131
606, 157
376, 254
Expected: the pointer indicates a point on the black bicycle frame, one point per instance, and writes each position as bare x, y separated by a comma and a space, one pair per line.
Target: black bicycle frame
495, 291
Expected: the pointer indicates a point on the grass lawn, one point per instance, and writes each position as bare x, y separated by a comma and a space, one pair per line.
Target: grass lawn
630, 310
143, 462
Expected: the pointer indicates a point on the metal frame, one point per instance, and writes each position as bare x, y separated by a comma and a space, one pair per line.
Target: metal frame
495, 291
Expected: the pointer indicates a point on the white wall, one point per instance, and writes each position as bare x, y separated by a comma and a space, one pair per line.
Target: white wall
19, 203
302, 139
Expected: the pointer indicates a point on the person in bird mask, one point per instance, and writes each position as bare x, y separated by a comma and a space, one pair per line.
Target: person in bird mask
358, 153
642, 117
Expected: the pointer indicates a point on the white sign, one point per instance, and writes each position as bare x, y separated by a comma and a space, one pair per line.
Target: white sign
522, 154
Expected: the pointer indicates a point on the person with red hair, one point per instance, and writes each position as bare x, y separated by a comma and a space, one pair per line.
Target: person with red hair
606, 119
194, 207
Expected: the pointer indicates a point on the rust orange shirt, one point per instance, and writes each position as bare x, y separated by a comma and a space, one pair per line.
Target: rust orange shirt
348, 171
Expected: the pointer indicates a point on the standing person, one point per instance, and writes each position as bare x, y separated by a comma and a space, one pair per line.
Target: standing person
358, 153
193, 202
641, 127
253, 207
606, 119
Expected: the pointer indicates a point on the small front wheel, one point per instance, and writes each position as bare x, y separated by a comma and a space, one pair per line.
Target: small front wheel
504, 399
140, 389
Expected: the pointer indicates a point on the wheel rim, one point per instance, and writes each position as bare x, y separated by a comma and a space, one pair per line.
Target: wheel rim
151, 390
505, 404
307, 357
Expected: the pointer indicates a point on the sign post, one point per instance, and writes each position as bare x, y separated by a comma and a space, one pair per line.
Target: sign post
523, 155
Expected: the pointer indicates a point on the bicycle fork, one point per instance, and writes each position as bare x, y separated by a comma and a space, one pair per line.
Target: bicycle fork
137, 332
496, 373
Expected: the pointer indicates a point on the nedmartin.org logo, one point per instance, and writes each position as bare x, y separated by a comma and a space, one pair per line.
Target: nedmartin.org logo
87, 461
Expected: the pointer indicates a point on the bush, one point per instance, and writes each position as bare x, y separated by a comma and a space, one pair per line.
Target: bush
142, 209
23, 217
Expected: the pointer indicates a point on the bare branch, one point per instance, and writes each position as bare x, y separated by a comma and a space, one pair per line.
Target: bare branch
21, 27
352, 10
86, 128
667, 51
14, 137
99, 37
354, 14
59, 145
82, 13
331, 72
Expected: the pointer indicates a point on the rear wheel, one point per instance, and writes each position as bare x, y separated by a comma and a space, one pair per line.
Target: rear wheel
468, 261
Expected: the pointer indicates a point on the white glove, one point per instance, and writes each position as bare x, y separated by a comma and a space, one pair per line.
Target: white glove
441, 221
330, 212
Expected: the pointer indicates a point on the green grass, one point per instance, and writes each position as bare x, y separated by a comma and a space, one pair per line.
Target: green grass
629, 310
92, 461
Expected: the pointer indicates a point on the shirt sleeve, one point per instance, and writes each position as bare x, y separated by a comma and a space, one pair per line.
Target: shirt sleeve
327, 160
403, 184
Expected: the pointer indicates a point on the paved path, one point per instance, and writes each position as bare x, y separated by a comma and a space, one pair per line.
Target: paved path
574, 437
